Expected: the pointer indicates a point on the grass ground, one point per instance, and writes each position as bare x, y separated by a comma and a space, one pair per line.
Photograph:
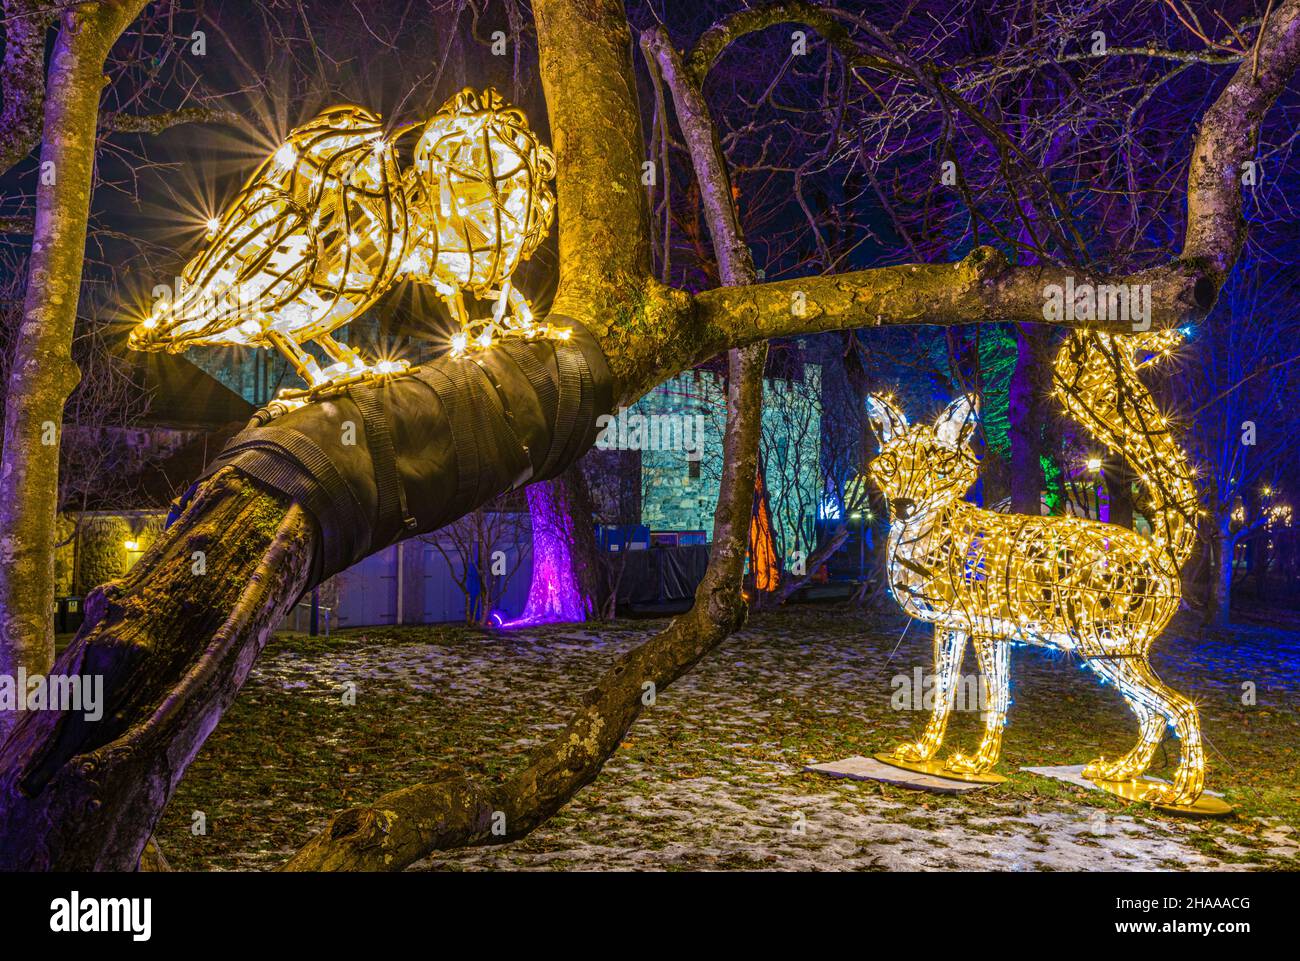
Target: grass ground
711, 776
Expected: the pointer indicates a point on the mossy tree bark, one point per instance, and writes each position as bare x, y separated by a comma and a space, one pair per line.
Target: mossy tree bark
42, 374
22, 77
174, 650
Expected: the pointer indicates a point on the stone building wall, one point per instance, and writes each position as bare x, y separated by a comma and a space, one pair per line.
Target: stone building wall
680, 486
102, 545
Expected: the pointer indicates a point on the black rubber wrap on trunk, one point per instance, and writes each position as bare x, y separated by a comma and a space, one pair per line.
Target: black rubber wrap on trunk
387, 461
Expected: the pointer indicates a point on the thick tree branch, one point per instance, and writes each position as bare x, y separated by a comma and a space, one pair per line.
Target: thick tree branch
1229, 136
586, 69
982, 288
168, 675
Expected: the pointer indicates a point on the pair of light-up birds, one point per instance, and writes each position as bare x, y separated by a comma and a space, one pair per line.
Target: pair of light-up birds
329, 223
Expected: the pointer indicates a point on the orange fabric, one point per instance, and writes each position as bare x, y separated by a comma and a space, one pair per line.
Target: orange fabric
762, 546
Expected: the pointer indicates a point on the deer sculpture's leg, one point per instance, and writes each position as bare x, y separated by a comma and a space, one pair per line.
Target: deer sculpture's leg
1151, 728
994, 666
1138, 682
949, 646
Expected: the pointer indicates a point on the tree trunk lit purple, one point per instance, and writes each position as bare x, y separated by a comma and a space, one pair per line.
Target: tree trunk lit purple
553, 596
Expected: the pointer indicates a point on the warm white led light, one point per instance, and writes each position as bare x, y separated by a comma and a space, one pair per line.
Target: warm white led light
327, 225
312, 240
481, 199
1101, 591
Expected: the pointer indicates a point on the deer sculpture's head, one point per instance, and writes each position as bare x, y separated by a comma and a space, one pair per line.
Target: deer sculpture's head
921, 466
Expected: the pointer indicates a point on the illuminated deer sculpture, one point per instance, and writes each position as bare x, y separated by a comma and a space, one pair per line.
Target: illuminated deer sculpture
1097, 590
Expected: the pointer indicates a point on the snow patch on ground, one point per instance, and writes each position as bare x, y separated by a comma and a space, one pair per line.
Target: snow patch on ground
711, 775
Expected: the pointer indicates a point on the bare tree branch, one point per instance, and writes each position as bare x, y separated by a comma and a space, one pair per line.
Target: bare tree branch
156, 123
1216, 228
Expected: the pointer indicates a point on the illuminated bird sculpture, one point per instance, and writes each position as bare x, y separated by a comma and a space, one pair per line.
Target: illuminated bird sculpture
479, 188
328, 224
1100, 591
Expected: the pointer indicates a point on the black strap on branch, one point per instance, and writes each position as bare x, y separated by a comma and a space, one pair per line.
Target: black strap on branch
452, 383
392, 513
294, 464
432, 445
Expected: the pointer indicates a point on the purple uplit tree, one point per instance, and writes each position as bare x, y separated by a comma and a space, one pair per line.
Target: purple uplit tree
554, 595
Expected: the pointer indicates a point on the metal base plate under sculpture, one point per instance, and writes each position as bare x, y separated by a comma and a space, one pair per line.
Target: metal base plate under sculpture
936, 768
1208, 805
860, 768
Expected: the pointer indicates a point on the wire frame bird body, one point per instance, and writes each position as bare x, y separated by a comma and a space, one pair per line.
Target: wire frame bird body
480, 179
1100, 591
328, 224
313, 239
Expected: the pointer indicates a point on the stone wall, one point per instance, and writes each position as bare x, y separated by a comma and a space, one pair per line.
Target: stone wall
680, 486
99, 550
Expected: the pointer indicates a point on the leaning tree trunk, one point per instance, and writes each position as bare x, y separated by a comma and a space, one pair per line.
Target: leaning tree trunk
825, 550
405, 825
173, 641
41, 372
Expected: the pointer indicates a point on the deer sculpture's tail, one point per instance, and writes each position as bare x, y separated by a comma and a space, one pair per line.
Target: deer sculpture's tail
1096, 378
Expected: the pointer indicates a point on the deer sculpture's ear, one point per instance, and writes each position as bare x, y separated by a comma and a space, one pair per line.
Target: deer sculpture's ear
956, 424
886, 419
